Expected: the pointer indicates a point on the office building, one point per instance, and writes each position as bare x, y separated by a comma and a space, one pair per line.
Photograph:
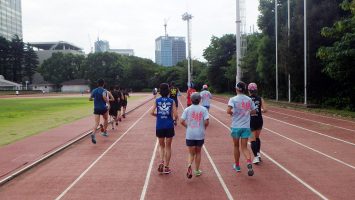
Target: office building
10, 18
101, 46
170, 50
126, 52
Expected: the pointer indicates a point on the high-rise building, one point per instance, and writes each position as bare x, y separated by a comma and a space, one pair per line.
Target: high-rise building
170, 50
10, 18
102, 46
125, 52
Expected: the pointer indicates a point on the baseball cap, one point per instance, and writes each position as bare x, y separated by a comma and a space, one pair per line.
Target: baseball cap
205, 86
252, 87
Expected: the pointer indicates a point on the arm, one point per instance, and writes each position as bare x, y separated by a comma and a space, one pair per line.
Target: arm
175, 114
110, 97
263, 106
183, 123
152, 112
207, 122
229, 110
91, 98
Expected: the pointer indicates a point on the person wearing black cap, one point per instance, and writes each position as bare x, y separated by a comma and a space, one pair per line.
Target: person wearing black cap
195, 120
240, 108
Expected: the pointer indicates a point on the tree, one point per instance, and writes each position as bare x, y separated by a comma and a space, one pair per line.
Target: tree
16, 59
30, 62
4, 57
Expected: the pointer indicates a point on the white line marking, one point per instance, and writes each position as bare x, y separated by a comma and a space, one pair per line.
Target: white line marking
99, 158
326, 155
219, 176
145, 187
312, 120
282, 167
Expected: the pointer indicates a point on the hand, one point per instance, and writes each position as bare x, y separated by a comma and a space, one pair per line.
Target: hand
175, 123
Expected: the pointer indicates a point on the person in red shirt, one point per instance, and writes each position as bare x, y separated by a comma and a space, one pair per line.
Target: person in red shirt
189, 93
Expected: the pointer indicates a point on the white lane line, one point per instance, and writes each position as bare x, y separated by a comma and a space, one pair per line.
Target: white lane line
282, 167
310, 148
328, 136
219, 176
312, 120
99, 158
146, 182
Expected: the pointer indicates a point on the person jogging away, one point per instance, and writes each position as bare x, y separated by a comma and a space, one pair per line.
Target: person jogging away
206, 96
155, 92
189, 93
114, 106
174, 91
165, 111
195, 119
256, 121
240, 108
99, 95
125, 95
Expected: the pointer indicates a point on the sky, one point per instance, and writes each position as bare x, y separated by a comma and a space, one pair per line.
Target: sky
133, 24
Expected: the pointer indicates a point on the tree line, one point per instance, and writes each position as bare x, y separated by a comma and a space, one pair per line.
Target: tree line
18, 61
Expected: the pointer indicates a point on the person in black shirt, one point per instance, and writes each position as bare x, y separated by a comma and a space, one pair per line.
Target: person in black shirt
174, 91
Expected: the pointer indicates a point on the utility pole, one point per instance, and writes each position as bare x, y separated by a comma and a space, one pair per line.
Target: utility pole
237, 37
187, 17
276, 59
288, 48
305, 49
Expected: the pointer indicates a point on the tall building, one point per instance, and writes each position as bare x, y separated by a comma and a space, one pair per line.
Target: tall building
125, 52
10, 18
170, 50
102, 46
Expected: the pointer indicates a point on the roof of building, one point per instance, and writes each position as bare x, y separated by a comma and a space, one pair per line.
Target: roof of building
6, 83
76, 82
60, 45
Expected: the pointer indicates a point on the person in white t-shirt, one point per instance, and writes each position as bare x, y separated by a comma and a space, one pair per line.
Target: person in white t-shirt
206, 97
240, 108
196, 119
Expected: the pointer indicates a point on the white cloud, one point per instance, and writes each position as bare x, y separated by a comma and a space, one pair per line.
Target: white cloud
130, 23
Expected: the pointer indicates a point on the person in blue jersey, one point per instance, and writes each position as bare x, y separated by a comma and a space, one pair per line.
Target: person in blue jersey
256, 121
166, 113
101, 102
206, 97
240, 108
195, 119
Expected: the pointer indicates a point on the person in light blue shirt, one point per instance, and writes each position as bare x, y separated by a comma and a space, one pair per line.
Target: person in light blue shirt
240, 108
195, 118
206, 97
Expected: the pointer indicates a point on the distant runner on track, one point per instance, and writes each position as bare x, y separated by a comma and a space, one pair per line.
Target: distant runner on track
195, 119
189, 93
165, 111
125, 95
101, 100
240, 107
206, 97
174, 91
256, 121
114, 106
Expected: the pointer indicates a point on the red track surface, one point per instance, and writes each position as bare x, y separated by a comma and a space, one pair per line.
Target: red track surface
301, 160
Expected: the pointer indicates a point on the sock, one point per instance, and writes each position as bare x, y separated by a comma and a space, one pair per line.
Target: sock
258, 144
237, 164
249, 161
254, 147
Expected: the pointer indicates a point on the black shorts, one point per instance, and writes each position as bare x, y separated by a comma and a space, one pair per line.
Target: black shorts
256, 125
100, 111
113, 110
165, 133
124, 103
192, 143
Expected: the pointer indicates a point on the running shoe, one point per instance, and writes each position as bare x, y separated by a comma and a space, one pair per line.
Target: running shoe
198, 172
236, 168
93, 139
189, 172
102, 128
104, 134
161, 167
250, 169
124, 115
259, 155
119, 119
167, 170
116, 123
256, 160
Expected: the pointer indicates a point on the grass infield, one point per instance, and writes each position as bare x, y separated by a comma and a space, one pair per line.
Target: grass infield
23, 117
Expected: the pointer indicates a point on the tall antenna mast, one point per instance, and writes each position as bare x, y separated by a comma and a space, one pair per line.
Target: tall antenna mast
165, 25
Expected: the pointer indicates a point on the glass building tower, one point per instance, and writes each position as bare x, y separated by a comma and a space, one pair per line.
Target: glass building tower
170, 50
10, 18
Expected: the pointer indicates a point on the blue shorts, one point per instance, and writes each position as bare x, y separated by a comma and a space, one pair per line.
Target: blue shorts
243, 133
208, 107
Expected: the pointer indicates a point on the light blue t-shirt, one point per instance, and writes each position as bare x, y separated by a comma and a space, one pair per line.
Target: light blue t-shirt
242, 105
194, 117
205, 97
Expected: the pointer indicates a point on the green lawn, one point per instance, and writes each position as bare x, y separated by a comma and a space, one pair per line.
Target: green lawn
20, 118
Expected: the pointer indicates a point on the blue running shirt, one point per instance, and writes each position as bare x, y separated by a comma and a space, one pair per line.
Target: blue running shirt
99, 102
164, 113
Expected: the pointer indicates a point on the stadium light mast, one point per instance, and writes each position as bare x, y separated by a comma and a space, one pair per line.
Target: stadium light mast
187, 17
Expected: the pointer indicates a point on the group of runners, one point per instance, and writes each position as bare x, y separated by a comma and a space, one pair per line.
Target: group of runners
108, 103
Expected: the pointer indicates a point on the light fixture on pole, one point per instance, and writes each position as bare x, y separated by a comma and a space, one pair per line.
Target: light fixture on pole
187, 17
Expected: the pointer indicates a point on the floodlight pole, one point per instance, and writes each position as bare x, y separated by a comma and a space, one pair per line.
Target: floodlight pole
305, 50
276, 55
187, 17
288, 47
237, 39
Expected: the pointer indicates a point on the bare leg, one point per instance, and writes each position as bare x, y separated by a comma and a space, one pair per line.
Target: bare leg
236, 149
245, 150
191, 156
168, 142
105, 116
198, 157
162, 148
97, 122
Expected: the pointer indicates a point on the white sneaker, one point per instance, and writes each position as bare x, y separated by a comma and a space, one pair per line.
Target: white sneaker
256, 160
259, 156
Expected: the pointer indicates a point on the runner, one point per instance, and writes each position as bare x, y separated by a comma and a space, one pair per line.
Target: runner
206, 96
256, 121
240, 107
155, 91
165, 111
114, 106
195, 120
125, 95
99, 95
174, 91
189, 92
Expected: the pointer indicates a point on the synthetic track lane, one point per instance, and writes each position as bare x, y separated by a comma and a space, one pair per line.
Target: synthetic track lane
332, 179
53, 176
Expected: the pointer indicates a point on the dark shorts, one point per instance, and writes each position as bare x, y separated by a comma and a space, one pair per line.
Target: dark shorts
165, 133
256, 125
100, 111
113, 111
124, 103
207, 107
192, 143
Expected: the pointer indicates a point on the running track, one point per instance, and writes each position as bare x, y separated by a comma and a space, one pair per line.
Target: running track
305, 156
